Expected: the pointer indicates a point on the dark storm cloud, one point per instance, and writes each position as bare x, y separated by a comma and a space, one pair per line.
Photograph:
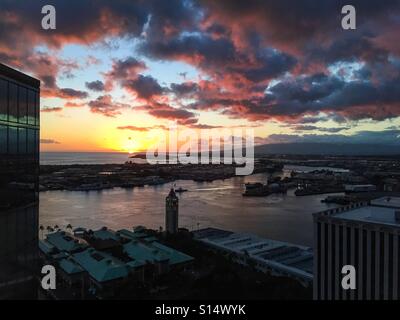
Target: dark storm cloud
203, 126
95, 85
69, 93
134, 128
197, 49
288, 22
49, 141
145, 86
296, 97
169, 18
126, 73
105, 105
238, 46
321, 118
307, 88
316, 128
272, 64
219, 57
385, 137
141, 129
126, 68
310, 32
84, 22
51, 109
184, 89
165, 111
348, 47
77, 21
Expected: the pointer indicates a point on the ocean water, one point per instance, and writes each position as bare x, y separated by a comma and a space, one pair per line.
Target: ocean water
69, 158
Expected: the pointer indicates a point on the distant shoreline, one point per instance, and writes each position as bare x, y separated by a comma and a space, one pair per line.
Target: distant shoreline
88, 177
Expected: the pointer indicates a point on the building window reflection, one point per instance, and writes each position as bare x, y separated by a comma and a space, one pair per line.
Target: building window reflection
31, 108
19, 180
12, 140
21, 141
3, 100
22, 104
12, 102
3, 139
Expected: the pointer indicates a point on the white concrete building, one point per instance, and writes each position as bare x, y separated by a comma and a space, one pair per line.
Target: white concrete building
365, 235
265, 255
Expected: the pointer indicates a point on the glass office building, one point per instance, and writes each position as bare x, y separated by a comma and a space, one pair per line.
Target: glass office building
19, 174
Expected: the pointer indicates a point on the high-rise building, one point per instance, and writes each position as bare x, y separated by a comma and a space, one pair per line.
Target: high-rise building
171, 212
19, 174
365, 236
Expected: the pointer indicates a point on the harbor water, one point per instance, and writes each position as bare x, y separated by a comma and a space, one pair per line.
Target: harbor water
217, 204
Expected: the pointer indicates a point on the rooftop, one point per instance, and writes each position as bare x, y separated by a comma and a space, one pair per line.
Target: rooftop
69, 266
154, 252
46, 247
380, 211
64, 241
11, 73
390, 202
290, 258
140, 248
101, 266
105, 234
132, 235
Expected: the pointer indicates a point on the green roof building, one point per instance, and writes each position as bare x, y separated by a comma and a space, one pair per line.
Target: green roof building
101, 266
65, 242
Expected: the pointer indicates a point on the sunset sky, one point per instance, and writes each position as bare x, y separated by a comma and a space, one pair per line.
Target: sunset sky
114, 71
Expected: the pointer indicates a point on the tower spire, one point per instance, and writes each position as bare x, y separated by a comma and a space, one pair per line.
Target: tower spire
171, 212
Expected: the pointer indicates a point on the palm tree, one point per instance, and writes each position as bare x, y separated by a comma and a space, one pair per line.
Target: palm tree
69, 227
41, 228
56, 227
49, 229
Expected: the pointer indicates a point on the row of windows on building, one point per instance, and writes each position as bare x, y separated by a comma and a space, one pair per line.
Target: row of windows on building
18, 140
18, 104
18, 243
377, 258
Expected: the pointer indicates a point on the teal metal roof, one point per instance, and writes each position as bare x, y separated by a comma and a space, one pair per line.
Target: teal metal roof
70, 267
132, 235
60, 255
46, 247
154, 252
175, 257
135, 264
150, 239
105, 234
143, 252
64, 241
101, 266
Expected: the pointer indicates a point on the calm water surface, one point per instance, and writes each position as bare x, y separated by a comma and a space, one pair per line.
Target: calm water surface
215, 204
